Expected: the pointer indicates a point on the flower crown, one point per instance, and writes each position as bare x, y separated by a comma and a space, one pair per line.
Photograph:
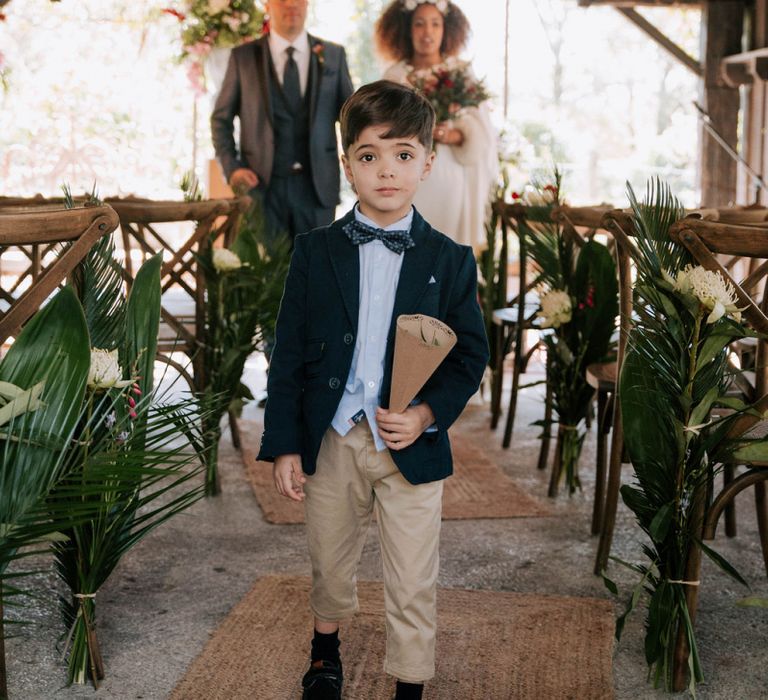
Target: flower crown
411, 5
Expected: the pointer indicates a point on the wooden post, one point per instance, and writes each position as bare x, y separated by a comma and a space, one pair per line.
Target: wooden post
722, 28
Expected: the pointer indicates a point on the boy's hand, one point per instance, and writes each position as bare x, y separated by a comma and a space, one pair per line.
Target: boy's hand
399, 430
289, 479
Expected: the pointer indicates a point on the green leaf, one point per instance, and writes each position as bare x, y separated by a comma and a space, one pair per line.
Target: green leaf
142, 321
662, 520
722, 563
754, 451
712, 347
701, 412
753, 601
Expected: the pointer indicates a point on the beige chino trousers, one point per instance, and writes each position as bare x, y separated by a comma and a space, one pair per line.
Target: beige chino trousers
352, 481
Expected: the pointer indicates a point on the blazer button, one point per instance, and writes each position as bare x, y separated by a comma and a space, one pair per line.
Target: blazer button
348, 338
334, 383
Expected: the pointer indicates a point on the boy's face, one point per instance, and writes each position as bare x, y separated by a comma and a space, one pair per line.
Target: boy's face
385, 173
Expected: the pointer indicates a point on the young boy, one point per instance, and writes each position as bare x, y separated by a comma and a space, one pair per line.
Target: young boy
334, 443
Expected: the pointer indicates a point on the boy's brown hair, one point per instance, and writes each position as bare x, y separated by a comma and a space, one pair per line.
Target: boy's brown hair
407, 112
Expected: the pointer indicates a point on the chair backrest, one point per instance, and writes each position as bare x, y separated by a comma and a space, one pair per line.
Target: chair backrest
182, 280
34, 236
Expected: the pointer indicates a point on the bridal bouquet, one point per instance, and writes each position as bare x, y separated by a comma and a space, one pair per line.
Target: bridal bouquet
450, 87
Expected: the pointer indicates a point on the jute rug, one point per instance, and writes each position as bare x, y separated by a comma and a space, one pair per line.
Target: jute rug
477, 489
491, 646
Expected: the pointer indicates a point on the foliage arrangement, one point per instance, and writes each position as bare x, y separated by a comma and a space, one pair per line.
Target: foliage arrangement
579, 302
244, 286
450, 87
92, 459
143, 450
674, 374
209, 24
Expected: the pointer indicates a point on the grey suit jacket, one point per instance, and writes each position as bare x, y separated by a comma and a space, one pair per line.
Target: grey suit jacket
245, 94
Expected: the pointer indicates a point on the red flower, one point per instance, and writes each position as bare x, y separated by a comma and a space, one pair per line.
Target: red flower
449, 83
516, 195
175, 13
551, 188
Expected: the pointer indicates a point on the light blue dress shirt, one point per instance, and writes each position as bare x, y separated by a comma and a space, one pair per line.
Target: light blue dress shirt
379, 275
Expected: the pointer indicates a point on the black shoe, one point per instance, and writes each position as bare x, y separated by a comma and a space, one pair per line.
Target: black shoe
323, 681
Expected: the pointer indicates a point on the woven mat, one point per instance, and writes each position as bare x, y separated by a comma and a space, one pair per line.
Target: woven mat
477, 489
491, 646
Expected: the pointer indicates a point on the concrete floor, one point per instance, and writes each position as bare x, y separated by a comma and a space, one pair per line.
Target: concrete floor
168, 595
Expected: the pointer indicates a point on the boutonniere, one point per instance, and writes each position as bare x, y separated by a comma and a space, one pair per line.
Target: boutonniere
319, 50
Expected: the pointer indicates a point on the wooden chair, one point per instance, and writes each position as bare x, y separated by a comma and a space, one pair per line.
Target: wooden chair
511, 324
182, 310
706, 240
182, 282
50, 241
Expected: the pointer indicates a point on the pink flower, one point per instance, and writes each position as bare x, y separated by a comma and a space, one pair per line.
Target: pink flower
454, 108
195, 75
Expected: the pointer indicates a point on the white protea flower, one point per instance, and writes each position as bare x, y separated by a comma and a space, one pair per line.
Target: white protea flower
225, 260
105, 372
713, 292
556, 308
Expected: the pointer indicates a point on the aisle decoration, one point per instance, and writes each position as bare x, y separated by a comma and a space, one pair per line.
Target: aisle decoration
675, 373
450, 87
211, 24
244, 287
137, 449
579, 303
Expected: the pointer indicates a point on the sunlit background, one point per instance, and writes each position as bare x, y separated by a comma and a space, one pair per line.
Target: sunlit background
94, 93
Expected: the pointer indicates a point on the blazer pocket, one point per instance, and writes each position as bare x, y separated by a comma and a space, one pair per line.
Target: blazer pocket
430, 300
313, 354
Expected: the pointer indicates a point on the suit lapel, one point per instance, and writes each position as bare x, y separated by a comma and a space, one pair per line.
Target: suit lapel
418, 263
345, 260
262, 63
315, 75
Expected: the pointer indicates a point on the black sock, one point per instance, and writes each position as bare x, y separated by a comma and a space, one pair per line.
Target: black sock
326, 647
408, 691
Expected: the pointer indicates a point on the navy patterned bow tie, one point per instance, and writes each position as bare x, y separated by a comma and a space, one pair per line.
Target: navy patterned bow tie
396, 241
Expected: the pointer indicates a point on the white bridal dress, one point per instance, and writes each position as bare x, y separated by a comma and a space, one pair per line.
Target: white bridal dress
455, 197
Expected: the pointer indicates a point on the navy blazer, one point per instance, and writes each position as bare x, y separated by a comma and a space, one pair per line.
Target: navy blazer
245, 94
315, 341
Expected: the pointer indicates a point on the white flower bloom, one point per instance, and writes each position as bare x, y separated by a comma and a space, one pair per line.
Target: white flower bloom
556, 308
105, 370
216, 6
411, 5
714, 293
225, 260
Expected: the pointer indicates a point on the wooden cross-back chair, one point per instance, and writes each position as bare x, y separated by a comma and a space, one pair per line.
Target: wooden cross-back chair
602, 376
512, 324
706, 240
182, 281
48, 241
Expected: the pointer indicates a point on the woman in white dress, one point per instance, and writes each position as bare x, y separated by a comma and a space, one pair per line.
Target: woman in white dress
429, 34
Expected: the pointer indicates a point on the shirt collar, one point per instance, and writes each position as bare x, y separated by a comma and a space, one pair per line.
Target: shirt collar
279, 44
403, 224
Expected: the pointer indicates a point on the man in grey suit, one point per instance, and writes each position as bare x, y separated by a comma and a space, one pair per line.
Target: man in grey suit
287, 89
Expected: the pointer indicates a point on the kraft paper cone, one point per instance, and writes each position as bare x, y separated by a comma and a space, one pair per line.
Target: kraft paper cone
421, 344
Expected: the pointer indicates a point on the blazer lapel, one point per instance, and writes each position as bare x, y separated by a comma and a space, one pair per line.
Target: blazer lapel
262, 63
416, 270
315, 75
345, 260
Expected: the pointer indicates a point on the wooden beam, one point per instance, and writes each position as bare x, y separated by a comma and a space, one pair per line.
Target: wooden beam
722, 28
662, 39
